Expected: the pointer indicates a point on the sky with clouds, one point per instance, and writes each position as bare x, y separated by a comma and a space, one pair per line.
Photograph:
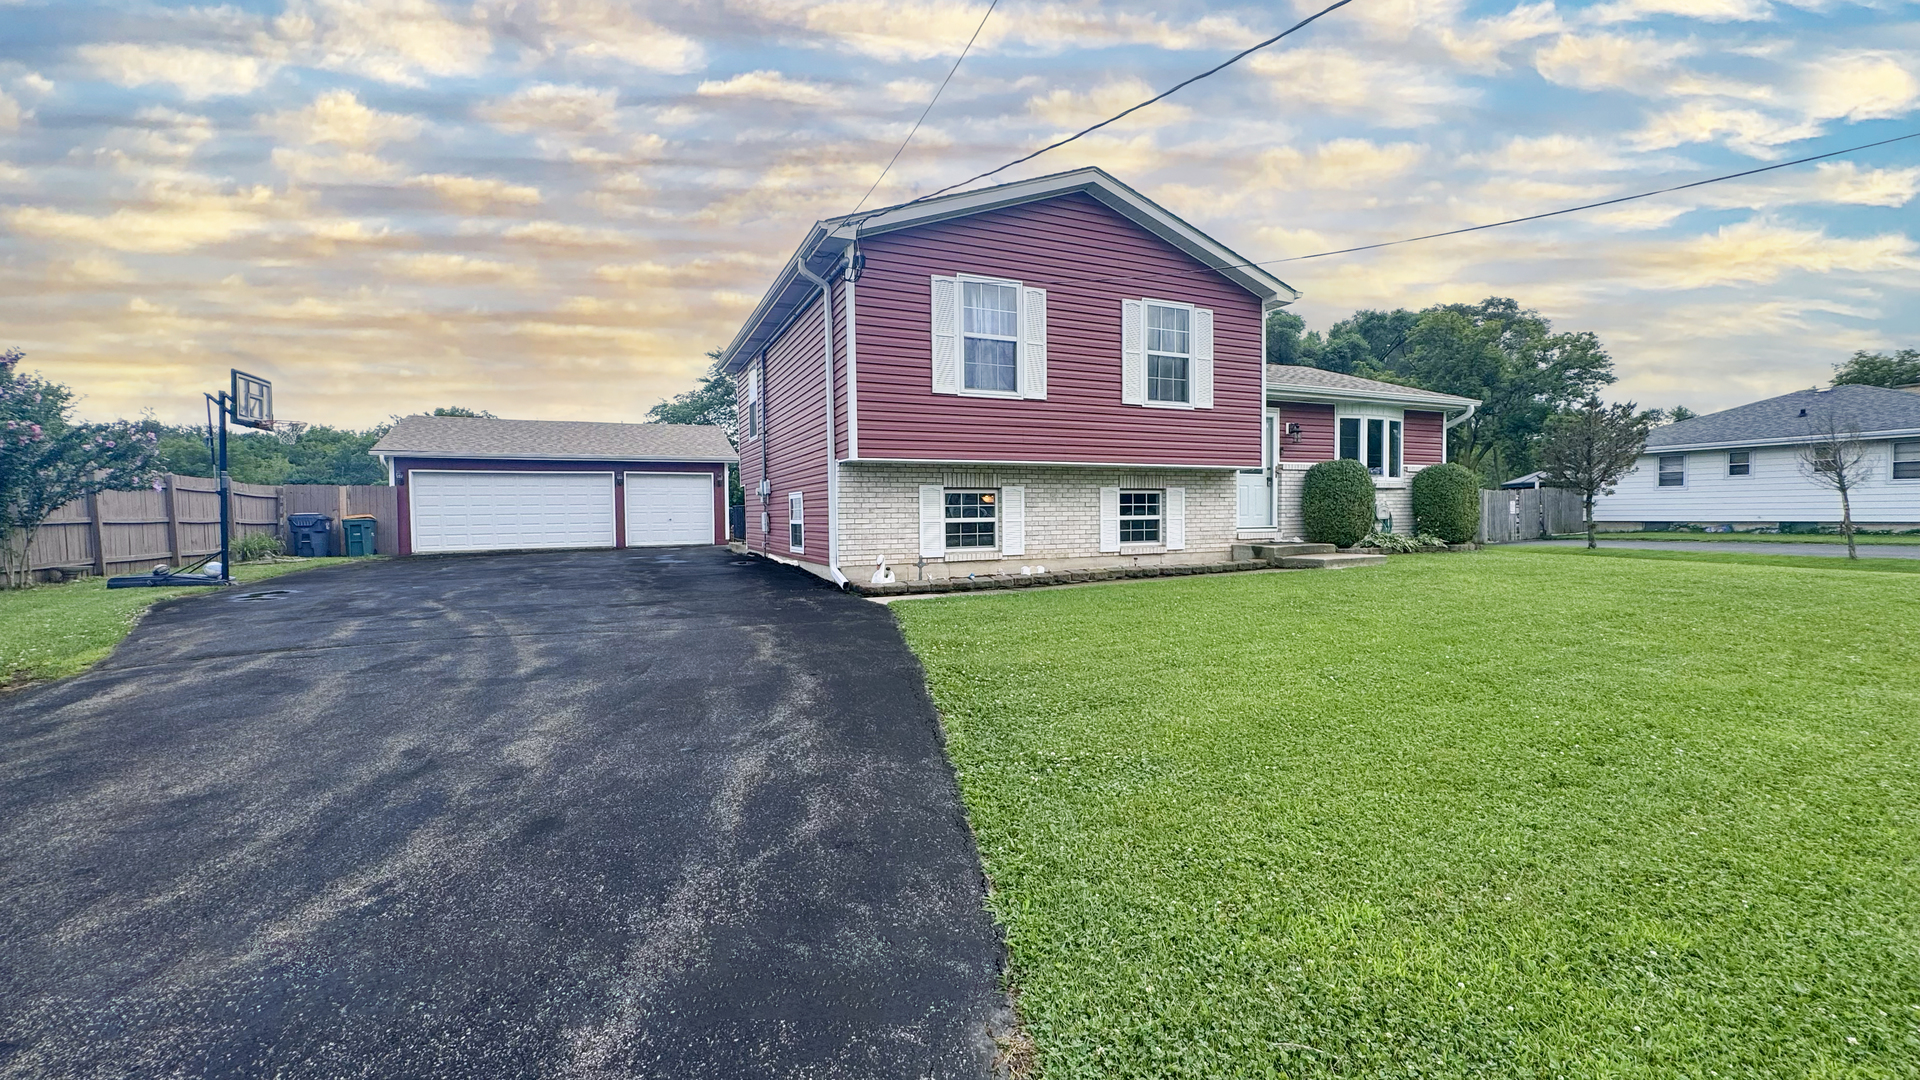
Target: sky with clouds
553, 208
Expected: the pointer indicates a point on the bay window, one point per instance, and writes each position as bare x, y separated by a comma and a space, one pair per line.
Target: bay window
1377, 442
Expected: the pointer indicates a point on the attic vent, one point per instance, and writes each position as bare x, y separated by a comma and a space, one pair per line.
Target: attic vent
1803, 412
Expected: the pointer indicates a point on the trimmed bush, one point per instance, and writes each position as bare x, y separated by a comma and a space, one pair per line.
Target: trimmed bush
1337, 502
1446, 502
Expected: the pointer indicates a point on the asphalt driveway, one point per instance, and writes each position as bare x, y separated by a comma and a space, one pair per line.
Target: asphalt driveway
661, 814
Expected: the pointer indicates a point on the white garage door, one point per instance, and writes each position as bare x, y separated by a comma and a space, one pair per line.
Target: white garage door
669, 508
492, 511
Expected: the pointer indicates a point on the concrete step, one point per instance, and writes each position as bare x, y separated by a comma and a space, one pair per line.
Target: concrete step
1276, 551
1330, 561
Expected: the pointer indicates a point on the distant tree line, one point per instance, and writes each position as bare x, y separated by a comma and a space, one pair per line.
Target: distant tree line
323, 455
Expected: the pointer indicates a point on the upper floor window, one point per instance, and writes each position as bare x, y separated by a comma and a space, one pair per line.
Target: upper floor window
1906, 461
991, 326
989, 337
1739, 463
754, 415
1376, 442
1169, 350
1673, 470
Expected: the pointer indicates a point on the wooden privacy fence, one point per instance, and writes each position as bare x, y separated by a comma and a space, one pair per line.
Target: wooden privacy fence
129, 532
1514, 514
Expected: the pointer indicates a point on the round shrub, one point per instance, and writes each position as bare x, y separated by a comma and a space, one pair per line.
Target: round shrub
1337, 502
1446, 502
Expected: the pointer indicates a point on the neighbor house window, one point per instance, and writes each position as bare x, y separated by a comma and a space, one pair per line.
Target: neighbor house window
1673, 470
1906, 461
1169, 353
1376, 443
971, 516
1139, 517
990, 324
1739, 463
796, 522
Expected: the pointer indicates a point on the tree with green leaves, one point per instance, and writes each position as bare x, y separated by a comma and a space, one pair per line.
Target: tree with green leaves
324, 455
1677, 414
1878, 369
48, 461
1590, 448
460, 410
711, 401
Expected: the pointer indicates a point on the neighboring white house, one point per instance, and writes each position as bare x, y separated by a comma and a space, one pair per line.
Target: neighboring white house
1741, 467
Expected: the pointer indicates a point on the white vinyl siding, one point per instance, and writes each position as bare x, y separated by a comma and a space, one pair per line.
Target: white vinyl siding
462, 510
1773, 490
989, 338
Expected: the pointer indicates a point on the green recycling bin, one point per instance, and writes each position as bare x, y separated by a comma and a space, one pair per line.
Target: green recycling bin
359, 529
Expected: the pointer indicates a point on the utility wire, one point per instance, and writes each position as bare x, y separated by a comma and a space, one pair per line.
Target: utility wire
1513, 221
928, 109
1176, 88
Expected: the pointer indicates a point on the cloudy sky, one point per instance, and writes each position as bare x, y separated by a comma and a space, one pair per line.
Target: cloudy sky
552, 208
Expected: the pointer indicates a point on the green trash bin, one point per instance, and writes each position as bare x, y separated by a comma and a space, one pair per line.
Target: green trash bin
359, 529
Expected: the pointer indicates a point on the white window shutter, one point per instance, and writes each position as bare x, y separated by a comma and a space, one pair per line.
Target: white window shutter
1013, 521
1176, 510
946, 335
933, 521
1110, 519
1202, 358
1133, 355
1033, 343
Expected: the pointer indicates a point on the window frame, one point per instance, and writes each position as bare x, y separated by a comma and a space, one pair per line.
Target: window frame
1147, 353
948, 521
1158, 517
1393, 441
961, 281
1894, 462
796, 521
1660, 470
1745, 466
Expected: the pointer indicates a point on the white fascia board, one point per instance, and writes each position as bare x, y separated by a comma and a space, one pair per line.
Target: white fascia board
1335, 395
1785, 440
443, 455
972, 462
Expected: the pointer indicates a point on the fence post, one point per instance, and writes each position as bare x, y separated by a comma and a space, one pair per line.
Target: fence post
340, 519
98, 534
173, 524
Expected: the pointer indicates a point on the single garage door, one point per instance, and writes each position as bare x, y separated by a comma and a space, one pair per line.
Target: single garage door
669, 508
492, 511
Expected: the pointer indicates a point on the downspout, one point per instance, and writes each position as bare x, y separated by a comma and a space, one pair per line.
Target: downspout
764, 488
1450, 425
833, 460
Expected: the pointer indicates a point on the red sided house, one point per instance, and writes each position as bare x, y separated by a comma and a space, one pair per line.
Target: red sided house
482, 484
1052, 372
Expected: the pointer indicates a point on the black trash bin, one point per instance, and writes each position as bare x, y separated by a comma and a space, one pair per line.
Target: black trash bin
310, 534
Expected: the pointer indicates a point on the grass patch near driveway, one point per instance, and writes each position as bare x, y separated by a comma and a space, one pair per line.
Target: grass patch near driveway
1511, 814
1741, 558
52, 631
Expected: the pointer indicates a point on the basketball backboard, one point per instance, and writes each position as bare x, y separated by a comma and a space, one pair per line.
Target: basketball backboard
252, 400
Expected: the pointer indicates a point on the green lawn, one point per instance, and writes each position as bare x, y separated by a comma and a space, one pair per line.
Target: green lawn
51, 631
1757, 538
1512, 814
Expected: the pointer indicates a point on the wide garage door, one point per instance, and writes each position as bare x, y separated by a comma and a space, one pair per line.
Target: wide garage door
669, 508
492, 511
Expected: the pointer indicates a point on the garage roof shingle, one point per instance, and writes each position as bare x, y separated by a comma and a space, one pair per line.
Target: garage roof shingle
470, 437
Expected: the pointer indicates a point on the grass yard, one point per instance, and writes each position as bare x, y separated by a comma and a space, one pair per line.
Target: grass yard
52, 631
1513, 814
1859, 539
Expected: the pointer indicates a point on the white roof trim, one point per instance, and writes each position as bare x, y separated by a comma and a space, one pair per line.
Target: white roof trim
1340, 395
442, 455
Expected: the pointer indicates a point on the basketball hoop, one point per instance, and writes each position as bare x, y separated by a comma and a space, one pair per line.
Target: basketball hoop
287, 431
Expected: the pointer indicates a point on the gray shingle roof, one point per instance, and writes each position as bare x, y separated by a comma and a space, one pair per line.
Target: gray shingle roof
1313, 378
461, 436
1870, 409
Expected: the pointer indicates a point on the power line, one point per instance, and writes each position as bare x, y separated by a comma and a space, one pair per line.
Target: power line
1510, 221
1176, 88
923, 113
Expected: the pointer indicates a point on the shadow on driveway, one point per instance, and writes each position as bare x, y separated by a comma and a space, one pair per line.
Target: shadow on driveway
666, 813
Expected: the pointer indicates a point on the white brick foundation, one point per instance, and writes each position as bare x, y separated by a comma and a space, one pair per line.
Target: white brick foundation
880, 515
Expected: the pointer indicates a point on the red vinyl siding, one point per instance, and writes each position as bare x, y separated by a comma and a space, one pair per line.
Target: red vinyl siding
402, 466
795, 393
1088, 258
1316, 431
1426, 438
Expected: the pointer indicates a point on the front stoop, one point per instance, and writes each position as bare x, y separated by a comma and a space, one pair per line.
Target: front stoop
1278, 551
1329, 560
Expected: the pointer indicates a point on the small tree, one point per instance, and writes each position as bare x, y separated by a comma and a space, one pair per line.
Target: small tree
1336, 502
1879, 369
1836, 459
1590, 448
47, 461
1446, 502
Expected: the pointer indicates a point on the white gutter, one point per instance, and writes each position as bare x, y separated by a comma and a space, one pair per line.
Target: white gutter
1783, 440
833, 459
437, 455
1461, 419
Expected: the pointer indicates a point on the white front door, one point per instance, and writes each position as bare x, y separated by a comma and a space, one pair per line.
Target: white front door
498, 511
669, 508
1256, 485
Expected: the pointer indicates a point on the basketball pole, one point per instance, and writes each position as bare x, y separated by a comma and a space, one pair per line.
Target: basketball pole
226, 489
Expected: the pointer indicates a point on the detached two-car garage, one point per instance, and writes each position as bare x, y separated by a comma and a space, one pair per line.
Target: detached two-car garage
473, 484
